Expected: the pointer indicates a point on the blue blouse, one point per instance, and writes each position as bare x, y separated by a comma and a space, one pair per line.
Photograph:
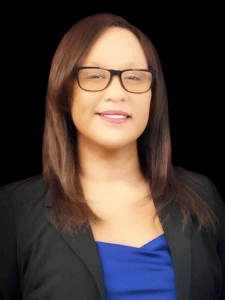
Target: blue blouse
132, 273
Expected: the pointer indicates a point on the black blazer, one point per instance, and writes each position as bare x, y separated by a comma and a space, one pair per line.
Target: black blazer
38, 263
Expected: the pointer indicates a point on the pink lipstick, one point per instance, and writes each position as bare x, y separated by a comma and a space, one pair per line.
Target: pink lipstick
115, 119
114, 116
115, 112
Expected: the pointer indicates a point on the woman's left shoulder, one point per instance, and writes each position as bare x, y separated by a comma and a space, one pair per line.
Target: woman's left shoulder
198, 177
203, 185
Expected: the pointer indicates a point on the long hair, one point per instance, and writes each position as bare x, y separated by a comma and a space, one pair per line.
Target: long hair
169, 186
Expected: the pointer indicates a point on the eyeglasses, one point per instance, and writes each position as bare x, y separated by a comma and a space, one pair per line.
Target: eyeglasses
96, 79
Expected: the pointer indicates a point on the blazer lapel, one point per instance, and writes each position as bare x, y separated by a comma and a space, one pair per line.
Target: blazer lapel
84, 246
180, 248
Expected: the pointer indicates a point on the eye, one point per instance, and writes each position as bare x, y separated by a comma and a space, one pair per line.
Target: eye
132, 78
95, 76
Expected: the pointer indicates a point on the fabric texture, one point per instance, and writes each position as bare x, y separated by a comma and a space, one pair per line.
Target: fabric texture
138, 273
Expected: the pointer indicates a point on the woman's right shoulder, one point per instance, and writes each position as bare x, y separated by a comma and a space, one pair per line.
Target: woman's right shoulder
30, 187
16, 202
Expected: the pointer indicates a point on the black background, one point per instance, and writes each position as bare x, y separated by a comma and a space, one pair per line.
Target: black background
189, 41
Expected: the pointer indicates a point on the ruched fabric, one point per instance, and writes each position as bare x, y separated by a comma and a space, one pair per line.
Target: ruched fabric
132, 273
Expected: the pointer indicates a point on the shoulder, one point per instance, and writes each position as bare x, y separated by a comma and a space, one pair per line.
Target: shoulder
23, 191
197, 178
206, 188
21, 205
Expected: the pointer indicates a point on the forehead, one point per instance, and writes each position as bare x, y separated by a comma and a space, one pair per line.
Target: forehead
117, 48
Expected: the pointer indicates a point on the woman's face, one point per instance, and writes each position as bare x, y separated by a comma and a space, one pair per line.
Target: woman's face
116, 49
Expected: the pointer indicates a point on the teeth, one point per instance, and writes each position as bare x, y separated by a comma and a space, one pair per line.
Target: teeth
114, 116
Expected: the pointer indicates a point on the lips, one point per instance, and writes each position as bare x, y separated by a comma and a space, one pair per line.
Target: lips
114, 112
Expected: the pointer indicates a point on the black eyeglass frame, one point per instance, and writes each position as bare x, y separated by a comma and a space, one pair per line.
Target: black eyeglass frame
112, 73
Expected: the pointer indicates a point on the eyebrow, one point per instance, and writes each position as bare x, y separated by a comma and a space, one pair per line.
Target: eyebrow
128, 66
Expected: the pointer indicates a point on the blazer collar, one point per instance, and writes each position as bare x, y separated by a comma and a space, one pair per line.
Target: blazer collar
84, 246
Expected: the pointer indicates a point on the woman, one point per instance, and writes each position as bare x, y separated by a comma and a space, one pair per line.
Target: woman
110, 217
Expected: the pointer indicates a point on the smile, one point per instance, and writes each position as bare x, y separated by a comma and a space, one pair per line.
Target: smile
116, 119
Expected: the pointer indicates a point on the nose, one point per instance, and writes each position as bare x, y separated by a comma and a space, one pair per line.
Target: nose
116, 85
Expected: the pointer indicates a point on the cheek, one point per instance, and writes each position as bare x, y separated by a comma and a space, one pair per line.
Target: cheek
81, 110
143, 119
74, 115
76, 109
143, 110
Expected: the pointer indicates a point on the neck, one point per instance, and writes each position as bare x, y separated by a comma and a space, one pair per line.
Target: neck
110, 167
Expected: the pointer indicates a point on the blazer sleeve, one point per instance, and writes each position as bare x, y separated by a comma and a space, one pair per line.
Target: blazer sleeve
9, 273
220, 209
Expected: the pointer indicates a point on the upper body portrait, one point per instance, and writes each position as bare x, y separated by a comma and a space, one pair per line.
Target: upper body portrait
110, 217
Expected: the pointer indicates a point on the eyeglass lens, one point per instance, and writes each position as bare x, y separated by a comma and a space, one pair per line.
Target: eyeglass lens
97, 79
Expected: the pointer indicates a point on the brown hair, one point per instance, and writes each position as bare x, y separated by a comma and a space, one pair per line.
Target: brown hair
168, 184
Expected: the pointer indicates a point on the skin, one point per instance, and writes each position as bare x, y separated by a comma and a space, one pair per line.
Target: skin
107, 152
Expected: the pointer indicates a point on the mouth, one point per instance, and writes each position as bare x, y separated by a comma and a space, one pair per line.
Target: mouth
114, 115
114, 119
